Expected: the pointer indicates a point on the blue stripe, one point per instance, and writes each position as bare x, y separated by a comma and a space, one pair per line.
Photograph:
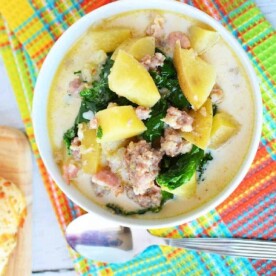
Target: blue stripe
72, 208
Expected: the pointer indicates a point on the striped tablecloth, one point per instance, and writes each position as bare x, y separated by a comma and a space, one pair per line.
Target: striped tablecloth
28, 29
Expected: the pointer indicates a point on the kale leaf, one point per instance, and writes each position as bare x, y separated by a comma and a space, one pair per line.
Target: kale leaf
68, 136
166, 77
179, 170
99, 133
202, 166
155, 127
118, 210
99, 95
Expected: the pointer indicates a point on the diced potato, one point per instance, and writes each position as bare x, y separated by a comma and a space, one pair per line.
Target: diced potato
137, 47
108, 39
118, 123
196, 77
224, 127
129, 78
202, 39
202, 125
90, 150
187, 190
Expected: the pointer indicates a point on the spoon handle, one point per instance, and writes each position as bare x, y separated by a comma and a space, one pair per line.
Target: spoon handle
248, 248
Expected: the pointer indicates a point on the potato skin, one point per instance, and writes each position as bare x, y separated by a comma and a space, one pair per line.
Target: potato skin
196, 77
224, 127
118, 123
202, 126
130, 79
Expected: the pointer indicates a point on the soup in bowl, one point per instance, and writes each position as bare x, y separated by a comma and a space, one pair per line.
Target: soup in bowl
147, 114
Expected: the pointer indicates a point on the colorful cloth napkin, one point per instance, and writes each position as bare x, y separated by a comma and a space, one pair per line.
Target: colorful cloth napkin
28, 29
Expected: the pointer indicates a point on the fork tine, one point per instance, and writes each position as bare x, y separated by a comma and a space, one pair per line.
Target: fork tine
249, 249
269, 247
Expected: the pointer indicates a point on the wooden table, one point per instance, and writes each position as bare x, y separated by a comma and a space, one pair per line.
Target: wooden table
50, 255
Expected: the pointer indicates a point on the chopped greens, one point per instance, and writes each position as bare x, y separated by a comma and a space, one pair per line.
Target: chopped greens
118, 210
77, 72
179, 170
155, 125
99, 95
166, 77
202, 166
68, 136
99, 133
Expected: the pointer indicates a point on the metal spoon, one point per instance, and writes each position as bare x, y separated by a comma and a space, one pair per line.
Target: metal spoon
103, 241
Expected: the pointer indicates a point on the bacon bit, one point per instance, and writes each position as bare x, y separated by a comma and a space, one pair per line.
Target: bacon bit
75, 86
173, 37
2, 195
178, 119
156, 29
173, 144
93, 124
216, 94
151, 198
75, 148
100, 191
105, 177
142, 112
152, 63
69, 172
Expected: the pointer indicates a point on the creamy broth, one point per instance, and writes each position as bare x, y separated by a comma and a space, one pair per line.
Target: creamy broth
238, 102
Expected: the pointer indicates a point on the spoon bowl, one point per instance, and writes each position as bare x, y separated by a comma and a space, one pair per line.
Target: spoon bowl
104, 241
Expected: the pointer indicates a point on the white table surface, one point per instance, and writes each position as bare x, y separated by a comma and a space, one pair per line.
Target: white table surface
50, 255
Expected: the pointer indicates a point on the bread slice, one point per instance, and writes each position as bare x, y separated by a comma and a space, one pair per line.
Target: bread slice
7, 245
12, 215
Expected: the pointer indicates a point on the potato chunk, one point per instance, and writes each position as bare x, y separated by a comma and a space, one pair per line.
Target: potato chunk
129, 78
224, 127
118, 123
90, 150
202, 126
187, 190
202, 39
137, 47
196, 77
108, 39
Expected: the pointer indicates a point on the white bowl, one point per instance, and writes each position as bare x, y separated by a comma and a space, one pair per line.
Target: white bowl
47, 74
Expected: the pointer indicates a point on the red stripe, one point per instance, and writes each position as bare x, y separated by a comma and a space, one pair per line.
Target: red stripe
89, 5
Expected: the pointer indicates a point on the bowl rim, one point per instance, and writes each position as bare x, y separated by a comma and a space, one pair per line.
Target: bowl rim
46, 75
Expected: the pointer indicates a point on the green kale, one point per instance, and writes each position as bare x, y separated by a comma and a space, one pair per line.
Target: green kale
202, 166
68, 136
99, 133
179, 170
166, 77
118, 210
155, 127
215, 109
